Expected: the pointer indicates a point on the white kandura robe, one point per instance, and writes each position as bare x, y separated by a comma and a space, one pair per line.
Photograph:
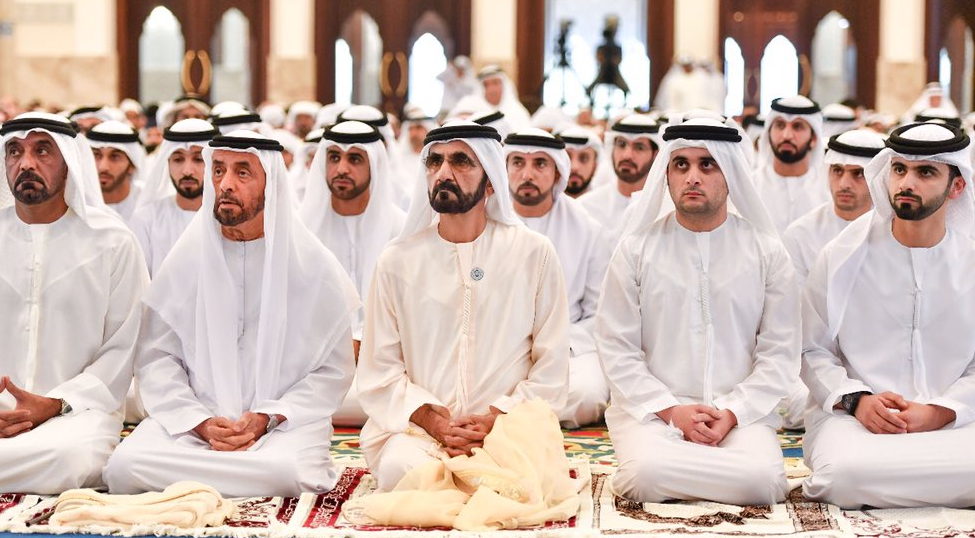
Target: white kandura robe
69, 325
607, 204
804, 239
436, 334
158, 225
346, 236
788, 198
584, 254
665, 292
126, 208
163, 449
907, 329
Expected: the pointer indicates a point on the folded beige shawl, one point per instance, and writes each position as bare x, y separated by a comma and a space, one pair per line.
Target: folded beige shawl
519, 479
183, 504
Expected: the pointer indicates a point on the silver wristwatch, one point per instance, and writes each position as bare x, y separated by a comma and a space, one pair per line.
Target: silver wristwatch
272, 422
65, 408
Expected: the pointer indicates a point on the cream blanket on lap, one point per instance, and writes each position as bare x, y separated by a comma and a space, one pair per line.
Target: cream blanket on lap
519, 479
183, 504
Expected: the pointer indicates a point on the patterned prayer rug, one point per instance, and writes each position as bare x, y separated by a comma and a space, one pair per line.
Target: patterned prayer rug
796, 517
308, 516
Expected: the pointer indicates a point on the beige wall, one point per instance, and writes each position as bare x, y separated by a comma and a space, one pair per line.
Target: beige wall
291, 60
63, 51
901, 66
696, 29
493, 34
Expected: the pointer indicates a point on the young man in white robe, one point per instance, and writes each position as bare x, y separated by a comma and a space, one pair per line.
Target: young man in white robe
73, 278
174, 190
246, 349
538, 171
467, 315
402, 184
789, 171
347, 206
634, 148
120, 160
888, 346
696, 384
583, 147
846, 157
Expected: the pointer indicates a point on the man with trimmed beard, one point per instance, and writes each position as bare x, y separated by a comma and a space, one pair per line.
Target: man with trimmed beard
846, 158
70, 287
697, 329
583, 147
538, 165
790, 176
120, 159
173, 191
889, 350
467, 314
634, 148
347, 206
245, 351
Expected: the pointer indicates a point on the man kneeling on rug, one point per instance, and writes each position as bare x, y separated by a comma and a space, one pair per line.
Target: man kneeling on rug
887, 335
697, 330
467, 315
245, 351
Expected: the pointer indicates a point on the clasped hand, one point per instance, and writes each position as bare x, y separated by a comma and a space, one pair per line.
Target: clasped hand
227, 435
889, 412
701, 424
458, 436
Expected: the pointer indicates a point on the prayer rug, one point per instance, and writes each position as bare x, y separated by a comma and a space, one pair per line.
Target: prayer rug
796, 517
307, 516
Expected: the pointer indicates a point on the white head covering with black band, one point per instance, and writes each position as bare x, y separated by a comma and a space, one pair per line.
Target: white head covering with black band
82, 192
301, 108
121, 136
181, 103
183, 135
854, 148
725, 144
239, 119
492, 118
578, 137
914, 142
533, 140
485, 142
304, 291
838, 119
370, 116
630, 127
791, 108
943, 115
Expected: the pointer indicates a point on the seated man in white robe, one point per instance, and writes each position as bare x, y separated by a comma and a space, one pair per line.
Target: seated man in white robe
634, 148
846, 157
120, 160
789, 173
697, 330
583, 147
347, 206
467, 314
245, 351
71, 282
888, 346
174, 190
538, 168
